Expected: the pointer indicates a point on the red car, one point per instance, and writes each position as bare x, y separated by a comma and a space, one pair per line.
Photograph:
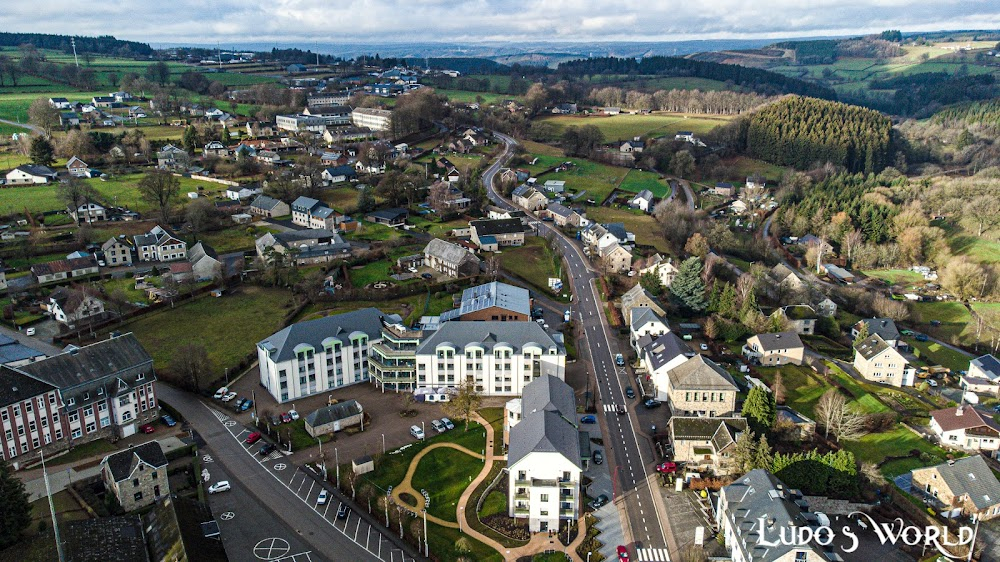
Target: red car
253, 438
147, 428
623, 554
286, 418
666, 467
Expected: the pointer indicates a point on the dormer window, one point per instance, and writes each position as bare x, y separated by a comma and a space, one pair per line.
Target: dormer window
71, 402
140, 376
100, 391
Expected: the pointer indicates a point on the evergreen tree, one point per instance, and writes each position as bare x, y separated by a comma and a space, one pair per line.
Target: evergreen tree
42, 153
16, 514
727, 301
763, 458
651, 282
688, 287
190, 139
366, 199
760, 410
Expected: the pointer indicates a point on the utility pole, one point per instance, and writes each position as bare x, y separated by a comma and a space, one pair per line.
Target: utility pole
72, 41
336, 459
52, 511
426, 545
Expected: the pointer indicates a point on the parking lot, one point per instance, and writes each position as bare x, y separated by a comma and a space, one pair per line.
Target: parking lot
306, 486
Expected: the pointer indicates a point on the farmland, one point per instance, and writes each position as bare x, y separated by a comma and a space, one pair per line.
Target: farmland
637, 180
624, 126
647, 231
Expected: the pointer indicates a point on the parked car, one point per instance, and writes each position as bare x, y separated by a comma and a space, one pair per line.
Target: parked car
996, 408
652, 403
622, 554
597, 457
666, 467
619, 360
221, 393
447, 423
168, 420
703, 347
599, 502
286, 418
239, 404
438, 426
416, 431
323, 496
253, 438
293, 414
629, 392
147, 429
342, 511
246, 405
932, 382
29, 331
427, 276
221, 486
590, 418
275, 419
229, 397
906, 332
621, 409
266, 449
921, 337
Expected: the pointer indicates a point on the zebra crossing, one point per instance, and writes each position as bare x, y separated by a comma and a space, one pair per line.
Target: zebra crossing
652, 555
611, 408
219, 415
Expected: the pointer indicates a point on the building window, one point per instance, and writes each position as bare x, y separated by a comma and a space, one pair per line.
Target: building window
91, 427
126, 415
105, 421
77, 433
137, 496
544, 498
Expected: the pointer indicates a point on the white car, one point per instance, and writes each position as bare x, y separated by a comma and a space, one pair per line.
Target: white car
412, 270
29, 331
323, 496
932, 382
704, 347
447, 423
229, 397
221, 486
222, 392
293, 414
438, 426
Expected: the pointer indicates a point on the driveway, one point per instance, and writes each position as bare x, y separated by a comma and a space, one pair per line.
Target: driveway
34, 342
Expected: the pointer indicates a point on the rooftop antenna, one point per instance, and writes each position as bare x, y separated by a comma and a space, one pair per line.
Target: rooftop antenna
72, 41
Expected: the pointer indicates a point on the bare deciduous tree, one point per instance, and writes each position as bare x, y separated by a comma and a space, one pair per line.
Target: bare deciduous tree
838, 418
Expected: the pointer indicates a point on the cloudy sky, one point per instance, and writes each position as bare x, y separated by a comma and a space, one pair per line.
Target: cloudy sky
336, 21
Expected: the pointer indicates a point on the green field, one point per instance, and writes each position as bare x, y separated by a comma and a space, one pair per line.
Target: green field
875, 447
598, 180
936, 354
637, 180
619, 127
209, 322
466, 96
895, 276
647, 231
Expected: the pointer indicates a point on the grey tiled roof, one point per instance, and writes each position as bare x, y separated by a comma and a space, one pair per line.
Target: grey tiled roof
549, 393
265, 202
106, 538
884, 327
972, 476
488, 334
338, 411
644, 315
665, 349
548, 424
447, 252
779, 340
871, 346
699, 373
281, 344
120, 464
15, 387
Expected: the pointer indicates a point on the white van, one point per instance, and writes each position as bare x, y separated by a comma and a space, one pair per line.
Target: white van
438, 426
416, 431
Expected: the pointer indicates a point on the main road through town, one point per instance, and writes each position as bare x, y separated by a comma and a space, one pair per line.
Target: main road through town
631, 460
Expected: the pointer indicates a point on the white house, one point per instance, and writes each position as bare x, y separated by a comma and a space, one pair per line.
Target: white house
29, 174
659, 356
89, 212
545, 456
318, 355
662, 269
238, 193
964, 427
159, 244
499, 357
983, 375
878, 361
643, 201
646, 322
69, 306
116, 252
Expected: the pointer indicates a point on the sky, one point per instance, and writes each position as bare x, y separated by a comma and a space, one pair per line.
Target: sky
475, 21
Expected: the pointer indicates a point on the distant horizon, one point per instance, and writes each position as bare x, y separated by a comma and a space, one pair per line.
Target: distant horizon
490, 22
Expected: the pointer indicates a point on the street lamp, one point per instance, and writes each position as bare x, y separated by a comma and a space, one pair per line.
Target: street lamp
423, 430
427, 547
336, 455
383, 443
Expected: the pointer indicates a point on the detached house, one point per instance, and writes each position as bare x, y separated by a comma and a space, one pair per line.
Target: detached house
70, 305
983, 375
450, 259
964, 486
700, 387
659, 356
637, 297
159, 244
89, 212
170, 157
643, 201
30, 174
529, 198
490, 235
545, 456
136, 476
780, 348
615, 258
706, 443
269, 207
60, 270
662, 269
885, 328
964, 427
77, 168
564, 216
878, 361
801, 317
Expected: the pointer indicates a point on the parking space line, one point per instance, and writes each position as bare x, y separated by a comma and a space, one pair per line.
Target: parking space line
369, 537
299, 489
327, 509
356, 529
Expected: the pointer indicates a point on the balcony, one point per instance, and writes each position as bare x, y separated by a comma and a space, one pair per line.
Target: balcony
543, 483
567, 483
522, 482
521, 510
521, 496
568, 512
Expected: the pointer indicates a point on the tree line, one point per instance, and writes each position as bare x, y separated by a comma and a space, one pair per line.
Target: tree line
758, 80
920, 95
724, 102
103, 45
802, 132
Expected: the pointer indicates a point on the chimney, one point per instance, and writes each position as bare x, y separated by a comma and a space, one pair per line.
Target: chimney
959, 410
770, 522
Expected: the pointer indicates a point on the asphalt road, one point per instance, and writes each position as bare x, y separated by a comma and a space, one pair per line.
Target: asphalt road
630, 461
274, 502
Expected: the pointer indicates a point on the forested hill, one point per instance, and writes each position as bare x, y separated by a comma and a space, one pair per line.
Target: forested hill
104, 45
463, 65
986, 113
762, 81
802, 132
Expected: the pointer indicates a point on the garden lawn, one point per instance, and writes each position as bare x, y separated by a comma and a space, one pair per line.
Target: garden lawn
445, 473
875, 447
534, 262
495, 417
391, 468
209, 322
645, 227
450, 545
371, 272
936, 354
863, 393
342, 199
467, 96
598, 180
637, 180
802, 391
538, 148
